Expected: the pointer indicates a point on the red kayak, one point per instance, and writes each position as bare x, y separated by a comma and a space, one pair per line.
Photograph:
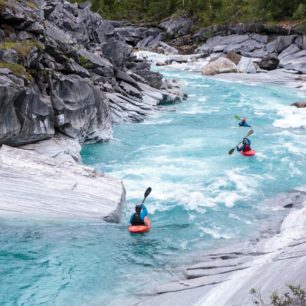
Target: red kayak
138, 229
248, 153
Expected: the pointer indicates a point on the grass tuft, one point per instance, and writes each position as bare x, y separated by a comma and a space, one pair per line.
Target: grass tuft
23, 48
17, 69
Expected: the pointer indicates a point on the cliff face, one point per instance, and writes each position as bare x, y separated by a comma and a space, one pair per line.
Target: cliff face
64, 69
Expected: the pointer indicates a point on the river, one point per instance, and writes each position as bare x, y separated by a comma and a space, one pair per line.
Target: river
200, 196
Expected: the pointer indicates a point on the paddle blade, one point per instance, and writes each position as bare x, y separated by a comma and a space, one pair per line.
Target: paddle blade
148, 191
237, 117
231, 151
250, 132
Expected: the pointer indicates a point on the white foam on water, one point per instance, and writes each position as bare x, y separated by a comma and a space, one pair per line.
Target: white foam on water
194, 109
296, 148
235, 217
197, 197
199, 85
291, 117
158, 121
216, 232
292, 168
234, 186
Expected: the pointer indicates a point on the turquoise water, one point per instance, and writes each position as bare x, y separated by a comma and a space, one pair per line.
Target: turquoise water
201, 197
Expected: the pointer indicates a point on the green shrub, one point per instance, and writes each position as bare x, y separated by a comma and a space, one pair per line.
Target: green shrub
84, 62
300, 12
295, 297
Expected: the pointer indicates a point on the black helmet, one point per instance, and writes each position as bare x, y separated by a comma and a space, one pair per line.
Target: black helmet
245, 141
138, 208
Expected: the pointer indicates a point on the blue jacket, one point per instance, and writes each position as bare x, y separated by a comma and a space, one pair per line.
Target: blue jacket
244, 147
243, 123
143, 213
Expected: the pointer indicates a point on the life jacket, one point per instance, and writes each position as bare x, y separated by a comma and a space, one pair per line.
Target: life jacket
136, 220
246, 147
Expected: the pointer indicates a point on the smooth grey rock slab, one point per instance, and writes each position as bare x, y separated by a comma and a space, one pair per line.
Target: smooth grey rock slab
82, 111
246, 65
17, 104
48, 188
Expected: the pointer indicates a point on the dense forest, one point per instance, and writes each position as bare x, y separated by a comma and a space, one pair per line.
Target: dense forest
205, 11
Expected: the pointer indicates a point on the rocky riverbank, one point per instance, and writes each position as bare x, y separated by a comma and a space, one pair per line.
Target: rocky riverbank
63, 69
226, 275
66, 76
251, 47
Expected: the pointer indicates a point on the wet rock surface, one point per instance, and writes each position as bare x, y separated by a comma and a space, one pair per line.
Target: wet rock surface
299, 104
57, 62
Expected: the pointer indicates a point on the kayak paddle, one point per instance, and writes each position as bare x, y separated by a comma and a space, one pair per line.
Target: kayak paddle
148, 191
231, 151
237, 117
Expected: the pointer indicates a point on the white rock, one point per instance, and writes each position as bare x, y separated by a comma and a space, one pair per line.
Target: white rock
220, 65
39, 186
246, 65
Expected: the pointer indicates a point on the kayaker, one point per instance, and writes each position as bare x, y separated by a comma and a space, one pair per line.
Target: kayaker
140, 213
245, 145
244, 123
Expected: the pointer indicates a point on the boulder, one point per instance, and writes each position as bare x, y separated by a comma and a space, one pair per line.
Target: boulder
90, 60
123, 76
81, 110
231, 43
25, 114
287, 53
72, 67
116, 51
234, 57
246, 65
177, 27
293, 58
150, 43
130, 90
166, 49
154, 79
299, 104
132, 35
283, 42
268, 63
35, 28
63, 16
15, 12
23, 35
220, 65
119, 23
8, 56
